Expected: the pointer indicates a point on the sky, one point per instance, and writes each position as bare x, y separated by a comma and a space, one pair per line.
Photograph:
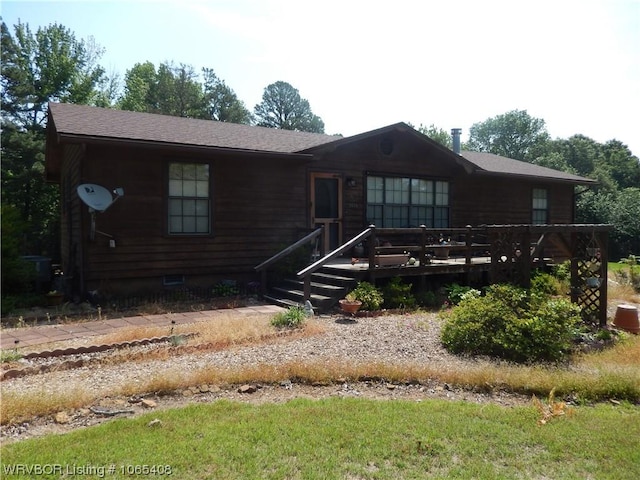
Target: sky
368, 64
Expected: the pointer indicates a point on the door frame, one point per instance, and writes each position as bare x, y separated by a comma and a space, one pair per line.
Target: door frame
327, 222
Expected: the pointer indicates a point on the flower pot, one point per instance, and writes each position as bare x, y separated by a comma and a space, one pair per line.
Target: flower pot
627, 318
55, 299
350, 306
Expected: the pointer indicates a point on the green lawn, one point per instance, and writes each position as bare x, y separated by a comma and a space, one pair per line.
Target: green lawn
347, 438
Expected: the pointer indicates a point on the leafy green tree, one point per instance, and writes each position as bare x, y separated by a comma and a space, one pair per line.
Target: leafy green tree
140, 89
221, 101
50, 65
17, 274
282, 107
438, 134
179, 92
625, 216
514, 134
622, 164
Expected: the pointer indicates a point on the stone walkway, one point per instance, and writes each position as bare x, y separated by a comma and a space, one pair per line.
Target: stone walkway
29, 339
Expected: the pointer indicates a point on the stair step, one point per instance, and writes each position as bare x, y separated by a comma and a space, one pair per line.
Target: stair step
294, 293
332, 279
283, 302
316, 287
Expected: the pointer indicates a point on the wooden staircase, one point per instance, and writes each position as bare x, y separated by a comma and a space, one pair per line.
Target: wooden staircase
328, 285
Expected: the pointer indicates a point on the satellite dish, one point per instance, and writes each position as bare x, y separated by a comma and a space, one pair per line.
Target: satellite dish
98, 199
95, 196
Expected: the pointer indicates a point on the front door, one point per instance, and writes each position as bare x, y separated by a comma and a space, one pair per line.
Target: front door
326, 207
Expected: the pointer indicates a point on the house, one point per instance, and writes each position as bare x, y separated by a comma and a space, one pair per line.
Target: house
205, 200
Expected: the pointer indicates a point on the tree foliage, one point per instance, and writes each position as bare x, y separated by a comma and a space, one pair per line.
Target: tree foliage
177, 90
438, 134
48, 65
282, 107
221, 101
515, 134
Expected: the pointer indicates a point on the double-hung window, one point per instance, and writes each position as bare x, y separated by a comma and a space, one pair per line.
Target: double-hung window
189, 200
400, 202
540, 204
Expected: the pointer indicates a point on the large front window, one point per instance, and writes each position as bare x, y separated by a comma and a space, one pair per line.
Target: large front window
400, 202
189, 198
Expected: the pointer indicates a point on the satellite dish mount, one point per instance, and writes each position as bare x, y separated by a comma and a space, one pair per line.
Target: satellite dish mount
98, 199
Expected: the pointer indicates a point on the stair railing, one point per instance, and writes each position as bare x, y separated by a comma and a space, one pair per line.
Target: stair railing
306, 273
264, 266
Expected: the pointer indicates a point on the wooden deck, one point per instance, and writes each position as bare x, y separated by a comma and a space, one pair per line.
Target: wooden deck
496, 253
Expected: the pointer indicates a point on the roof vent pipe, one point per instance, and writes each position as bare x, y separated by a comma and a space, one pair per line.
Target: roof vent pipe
455, 134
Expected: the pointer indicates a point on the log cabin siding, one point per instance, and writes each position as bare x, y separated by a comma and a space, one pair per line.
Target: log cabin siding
499, 200
257, 207
409, 158
259, 190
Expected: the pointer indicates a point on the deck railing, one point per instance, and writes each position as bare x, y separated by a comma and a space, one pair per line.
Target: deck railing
511, 250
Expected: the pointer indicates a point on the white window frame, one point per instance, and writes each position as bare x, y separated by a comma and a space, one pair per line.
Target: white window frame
189, 199
539, 206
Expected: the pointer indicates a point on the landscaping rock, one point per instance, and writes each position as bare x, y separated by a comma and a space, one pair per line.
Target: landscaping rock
247, 389
146, 403
62, 418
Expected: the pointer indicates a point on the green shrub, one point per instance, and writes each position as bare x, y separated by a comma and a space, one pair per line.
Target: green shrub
369, 295
225, 288
397, 294
545, 283
293, 317
428, 299
562, 271
455, 292
509, 323
630, 274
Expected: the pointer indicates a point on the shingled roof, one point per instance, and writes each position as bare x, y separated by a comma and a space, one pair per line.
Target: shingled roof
491, 164
83, 123
73, 120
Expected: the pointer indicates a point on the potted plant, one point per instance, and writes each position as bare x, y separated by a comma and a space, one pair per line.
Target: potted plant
350, 303
54, 297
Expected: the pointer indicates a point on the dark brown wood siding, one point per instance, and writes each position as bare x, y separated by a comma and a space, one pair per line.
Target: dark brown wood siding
408, 157
485, 200
71, 240
257, 207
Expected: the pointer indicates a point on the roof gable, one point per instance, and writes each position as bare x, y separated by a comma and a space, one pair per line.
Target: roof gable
93, 122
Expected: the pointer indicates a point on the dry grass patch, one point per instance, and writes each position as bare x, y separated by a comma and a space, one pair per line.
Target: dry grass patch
20, 407
623, 292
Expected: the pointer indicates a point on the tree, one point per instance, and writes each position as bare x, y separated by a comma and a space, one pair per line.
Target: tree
514, 134
221, 101
282, 107
623, 166
50, 65
179, 92
140, 89
438, 134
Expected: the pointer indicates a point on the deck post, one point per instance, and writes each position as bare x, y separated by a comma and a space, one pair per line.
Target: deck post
306, 293
423, 245
373, 240
525, 252
603, 244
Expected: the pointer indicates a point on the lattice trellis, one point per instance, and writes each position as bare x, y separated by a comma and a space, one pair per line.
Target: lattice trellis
588, 276
510, 257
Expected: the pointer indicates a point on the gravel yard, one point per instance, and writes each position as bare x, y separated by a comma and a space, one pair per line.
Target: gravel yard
391, 339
